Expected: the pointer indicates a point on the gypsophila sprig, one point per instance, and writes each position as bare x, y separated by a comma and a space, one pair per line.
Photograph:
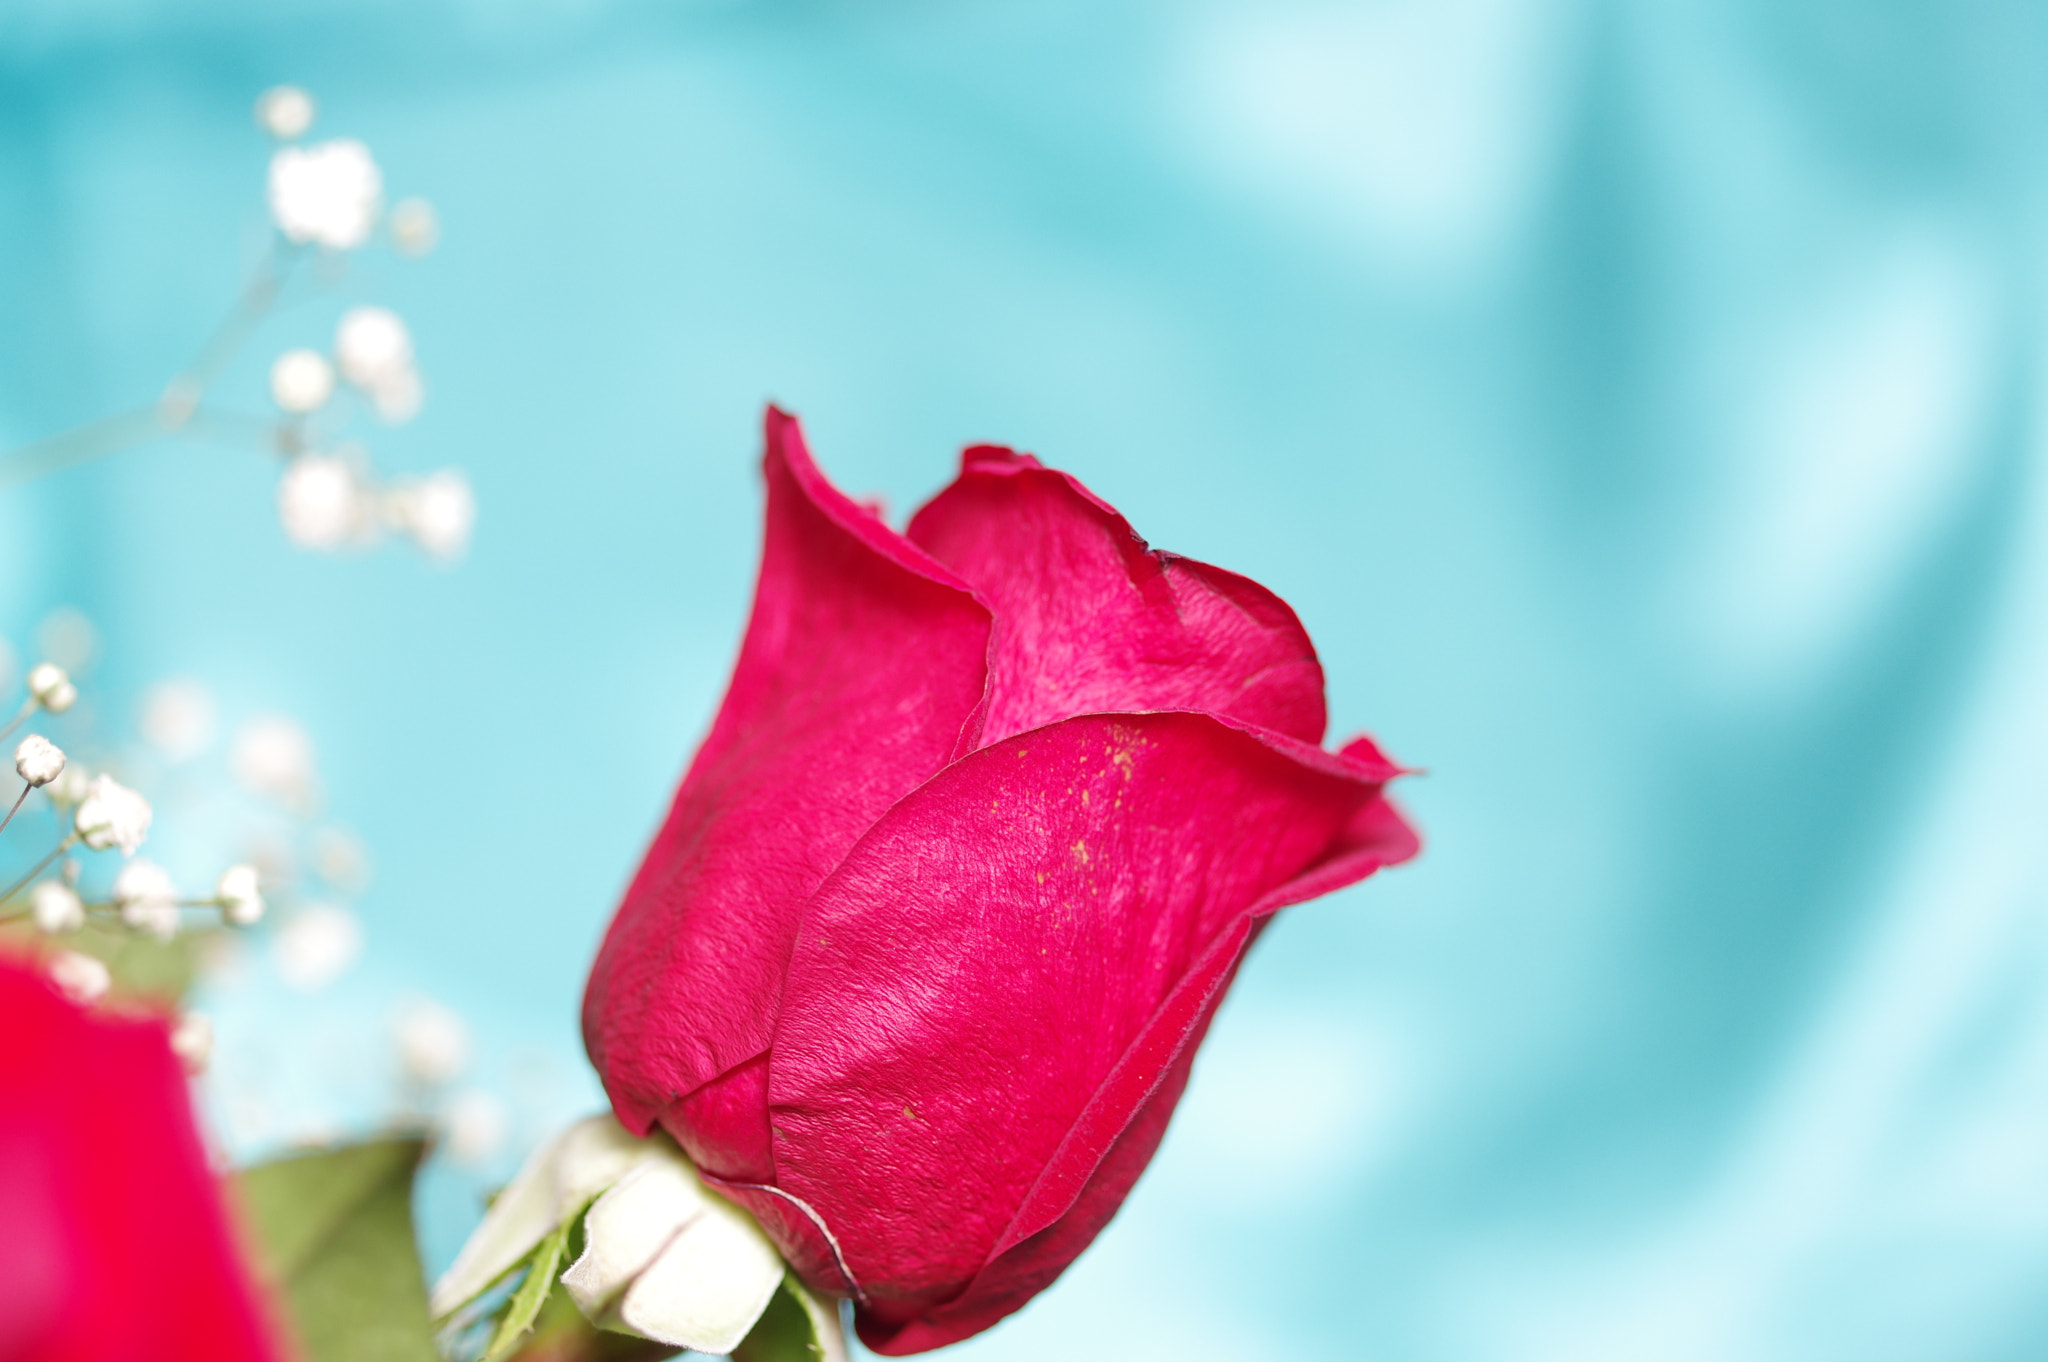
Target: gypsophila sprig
147, 899
241, 903
38, 761
83, 979
301, 381
56, 908
71, 786
325, 199
112, 815
328, 194
50, 686
192, 1042
285, 112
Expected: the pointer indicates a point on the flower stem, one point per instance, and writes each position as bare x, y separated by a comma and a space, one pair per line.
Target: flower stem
28, 706
178, 409
22, 799
40, 867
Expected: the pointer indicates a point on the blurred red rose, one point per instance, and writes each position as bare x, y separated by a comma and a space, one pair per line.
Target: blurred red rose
918, 963
114, 1244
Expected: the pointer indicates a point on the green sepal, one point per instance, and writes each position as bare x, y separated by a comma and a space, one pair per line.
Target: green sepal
797, 1326
542, 1274
334, 1237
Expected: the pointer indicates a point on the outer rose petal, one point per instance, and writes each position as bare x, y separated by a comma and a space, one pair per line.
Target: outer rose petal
1090, 621
113, 1241
1008, 968
861, 674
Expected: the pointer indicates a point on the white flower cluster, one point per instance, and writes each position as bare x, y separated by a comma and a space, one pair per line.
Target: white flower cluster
273, 757
333, 501
330, 194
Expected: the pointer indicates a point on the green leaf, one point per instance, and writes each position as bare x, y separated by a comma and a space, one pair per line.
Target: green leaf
334, 1233
524, 1309
797, 1326
144, 969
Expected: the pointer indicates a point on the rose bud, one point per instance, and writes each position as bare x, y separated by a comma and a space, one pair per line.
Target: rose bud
117, 1243
916, 968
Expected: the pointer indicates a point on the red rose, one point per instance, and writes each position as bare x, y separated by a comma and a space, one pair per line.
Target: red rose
916, 967
113, 1242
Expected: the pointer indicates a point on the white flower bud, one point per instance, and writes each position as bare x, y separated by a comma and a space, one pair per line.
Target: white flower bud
51, 687
240, 901
56, 908
70, 787
415, 227
285, 112
320, 502
329, 193
438, 511
301, 381
112, 815
147, 899
83, 979
192, 1042
433, 1043
38, 760
371, 344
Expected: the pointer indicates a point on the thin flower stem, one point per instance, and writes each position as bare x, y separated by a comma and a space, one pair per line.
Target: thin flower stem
82, 445
257, 296
40, 867
22, 799
28, 707
178, 410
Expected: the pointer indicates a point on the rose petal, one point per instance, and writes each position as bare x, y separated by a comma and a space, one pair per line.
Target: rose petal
1114, 1138
114, 1240
962, 995
708, 1287
1090, 621
862, 673
552, 1185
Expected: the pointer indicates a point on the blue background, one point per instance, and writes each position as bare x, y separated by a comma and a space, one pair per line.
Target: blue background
1641, 404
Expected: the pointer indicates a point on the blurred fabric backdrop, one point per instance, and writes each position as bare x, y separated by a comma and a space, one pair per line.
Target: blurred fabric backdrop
1641, 403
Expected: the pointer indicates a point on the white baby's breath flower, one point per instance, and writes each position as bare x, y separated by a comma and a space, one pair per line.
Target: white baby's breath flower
192, 1041
327, 193
433, 1042
83, 979
112, 815
301, 381
56, 907
437, 511
147, 899
415, 227
285, 112
51, 686
70, 787
320, 502
372, 344
241, 903
316, 945
37, 760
